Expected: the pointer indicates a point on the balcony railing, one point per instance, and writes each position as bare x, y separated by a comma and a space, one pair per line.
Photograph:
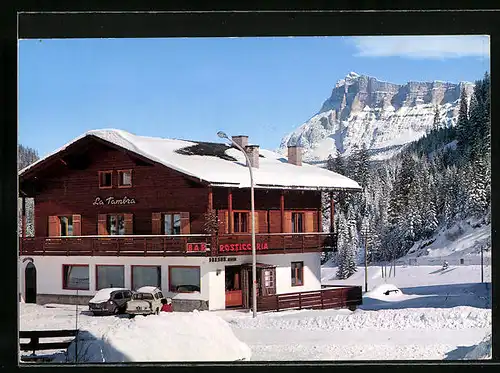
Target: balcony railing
177, 245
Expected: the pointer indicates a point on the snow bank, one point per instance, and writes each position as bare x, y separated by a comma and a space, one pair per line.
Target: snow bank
194, 336
482, 351
386, 319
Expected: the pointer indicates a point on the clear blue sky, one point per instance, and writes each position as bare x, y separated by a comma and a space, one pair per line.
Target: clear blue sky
191, 88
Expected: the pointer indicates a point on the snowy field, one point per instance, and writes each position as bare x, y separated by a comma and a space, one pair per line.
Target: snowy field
435, 315
194, 336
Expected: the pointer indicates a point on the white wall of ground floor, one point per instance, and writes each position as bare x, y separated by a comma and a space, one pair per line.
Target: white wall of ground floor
50, 276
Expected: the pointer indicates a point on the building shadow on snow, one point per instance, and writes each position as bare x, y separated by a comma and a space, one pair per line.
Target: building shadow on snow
88, 349
436, 296
458, 353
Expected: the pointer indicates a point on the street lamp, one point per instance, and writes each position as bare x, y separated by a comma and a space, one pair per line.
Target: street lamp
223, 135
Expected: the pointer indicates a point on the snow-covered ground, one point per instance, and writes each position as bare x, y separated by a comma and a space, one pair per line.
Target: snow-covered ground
193, 336
419, 312
434, 314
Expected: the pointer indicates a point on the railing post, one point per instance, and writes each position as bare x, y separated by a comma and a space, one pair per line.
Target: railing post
303, 239
300, 301
322, 305
164, 243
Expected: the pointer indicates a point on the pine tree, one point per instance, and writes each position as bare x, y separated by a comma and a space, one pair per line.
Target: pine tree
342, 244
25, 157
463, 121
436, 125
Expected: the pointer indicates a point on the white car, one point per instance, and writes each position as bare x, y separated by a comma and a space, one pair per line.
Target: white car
145, 301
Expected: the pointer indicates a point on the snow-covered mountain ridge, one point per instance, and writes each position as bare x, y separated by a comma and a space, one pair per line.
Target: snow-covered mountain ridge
383, 116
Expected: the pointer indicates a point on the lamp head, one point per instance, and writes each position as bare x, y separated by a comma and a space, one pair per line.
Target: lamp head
222, 135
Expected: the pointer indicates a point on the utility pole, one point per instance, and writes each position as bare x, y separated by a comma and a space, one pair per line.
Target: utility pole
366, 260
482, 270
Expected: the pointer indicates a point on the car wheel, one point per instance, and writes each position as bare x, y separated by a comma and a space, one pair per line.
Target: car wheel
131, 316
116, 311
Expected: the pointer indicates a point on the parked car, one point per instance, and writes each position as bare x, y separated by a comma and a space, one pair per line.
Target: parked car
145, 301
110, 301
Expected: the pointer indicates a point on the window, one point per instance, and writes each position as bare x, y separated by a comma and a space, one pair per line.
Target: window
66, 225
75, 277
146, 276
110, 276
297, 222
297, 273
184, 279
240, 221
124, 178
116, 224
105, 179
171, 223
118, 295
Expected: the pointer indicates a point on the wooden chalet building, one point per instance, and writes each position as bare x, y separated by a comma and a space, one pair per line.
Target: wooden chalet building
113, 209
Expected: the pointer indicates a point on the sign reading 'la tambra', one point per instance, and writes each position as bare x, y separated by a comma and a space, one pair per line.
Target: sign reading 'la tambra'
113, 201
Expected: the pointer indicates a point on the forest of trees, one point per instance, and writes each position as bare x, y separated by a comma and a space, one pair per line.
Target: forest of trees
441, 179
25, 157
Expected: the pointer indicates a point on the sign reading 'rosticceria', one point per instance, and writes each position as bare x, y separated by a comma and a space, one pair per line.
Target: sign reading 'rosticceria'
114, 201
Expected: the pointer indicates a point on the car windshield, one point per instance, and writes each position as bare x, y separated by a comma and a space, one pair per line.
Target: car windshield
139, 296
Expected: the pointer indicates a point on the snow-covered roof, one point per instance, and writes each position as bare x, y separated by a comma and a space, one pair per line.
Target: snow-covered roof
274, 170
147, 289
104, 294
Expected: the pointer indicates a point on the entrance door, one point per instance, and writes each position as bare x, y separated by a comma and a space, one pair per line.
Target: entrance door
233, 287
30, 283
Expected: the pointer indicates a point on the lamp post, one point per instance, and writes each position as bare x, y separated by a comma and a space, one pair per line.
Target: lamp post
223, 135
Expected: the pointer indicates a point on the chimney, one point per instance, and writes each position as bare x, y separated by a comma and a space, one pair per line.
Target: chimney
295, 155
241, 140
253, 154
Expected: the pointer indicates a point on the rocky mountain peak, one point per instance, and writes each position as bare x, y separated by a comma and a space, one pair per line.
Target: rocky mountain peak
364, 110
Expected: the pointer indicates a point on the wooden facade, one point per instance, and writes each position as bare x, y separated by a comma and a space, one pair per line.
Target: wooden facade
69, 184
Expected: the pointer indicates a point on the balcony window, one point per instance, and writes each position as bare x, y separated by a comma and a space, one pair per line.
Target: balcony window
105, 179
146, 276
75, 277
116, 224
184, 279
171, 223
297, 222
110, 276
66, 225
124, 178
240, 222
297, 273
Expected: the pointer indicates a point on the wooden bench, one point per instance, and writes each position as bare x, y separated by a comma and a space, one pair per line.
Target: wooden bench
35, 345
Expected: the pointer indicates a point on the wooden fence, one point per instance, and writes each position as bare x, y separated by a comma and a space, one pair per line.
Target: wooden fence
35, 335
334, 297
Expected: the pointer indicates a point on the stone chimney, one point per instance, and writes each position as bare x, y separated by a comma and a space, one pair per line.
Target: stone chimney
253, 154
241, 140
295, 155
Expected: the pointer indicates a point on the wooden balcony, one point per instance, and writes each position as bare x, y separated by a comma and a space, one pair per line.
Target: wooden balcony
177, 245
